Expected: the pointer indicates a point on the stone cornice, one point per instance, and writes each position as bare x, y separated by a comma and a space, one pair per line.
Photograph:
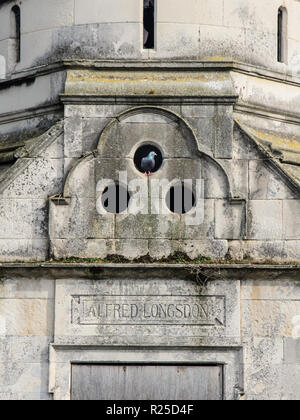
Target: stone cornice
160, 271
154, 65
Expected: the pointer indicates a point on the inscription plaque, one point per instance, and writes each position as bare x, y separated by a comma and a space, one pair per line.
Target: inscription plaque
148, 310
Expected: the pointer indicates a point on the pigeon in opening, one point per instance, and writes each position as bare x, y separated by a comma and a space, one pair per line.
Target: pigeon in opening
148, 163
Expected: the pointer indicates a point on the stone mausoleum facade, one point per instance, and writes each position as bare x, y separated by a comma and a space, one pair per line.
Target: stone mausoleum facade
111, 287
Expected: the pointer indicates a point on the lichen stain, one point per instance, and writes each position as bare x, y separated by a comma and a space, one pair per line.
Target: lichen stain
282, 142
135, 77
218, 58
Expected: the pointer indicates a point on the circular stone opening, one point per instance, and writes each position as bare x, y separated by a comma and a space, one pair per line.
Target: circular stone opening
180, 199
115, 199
151, 163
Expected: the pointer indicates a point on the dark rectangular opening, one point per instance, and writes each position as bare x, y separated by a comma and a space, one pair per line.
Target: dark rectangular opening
280, 36
149, 24
16, 11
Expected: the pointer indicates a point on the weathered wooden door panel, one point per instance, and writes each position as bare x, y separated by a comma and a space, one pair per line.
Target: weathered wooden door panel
146, 382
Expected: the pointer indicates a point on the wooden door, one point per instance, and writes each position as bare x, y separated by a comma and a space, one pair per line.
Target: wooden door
146, 382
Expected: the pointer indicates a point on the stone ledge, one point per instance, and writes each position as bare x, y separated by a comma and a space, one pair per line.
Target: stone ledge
101, 271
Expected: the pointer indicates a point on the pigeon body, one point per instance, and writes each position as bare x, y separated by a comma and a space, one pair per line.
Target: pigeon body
148, 163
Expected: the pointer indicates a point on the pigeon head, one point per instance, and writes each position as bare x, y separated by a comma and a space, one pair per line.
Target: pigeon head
152, 155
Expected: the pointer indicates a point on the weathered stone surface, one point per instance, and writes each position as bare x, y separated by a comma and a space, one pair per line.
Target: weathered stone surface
292, 250
264, 251
73, 137
269, 318
26, 317
23, 379
238, 171
264, 184
224, 134
230, 220
154, 296
41, 178
21, 250
261, 289
291, 209
291, 351
243, 148
265, 220
26, 288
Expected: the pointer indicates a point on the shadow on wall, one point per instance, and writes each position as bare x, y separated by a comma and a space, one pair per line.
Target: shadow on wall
2, 67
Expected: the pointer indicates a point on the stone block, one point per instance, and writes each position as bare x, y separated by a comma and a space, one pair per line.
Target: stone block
177, 41
291, 222
262, 382
18, 377
290, 387
119, 40
198, 111
43, 47
267, 318
80, 220
26, 317
172, 11
148, 226
261, 289
237, 171
13, 396
24, 250
94, 111
23, 219
60, 13
131, 249
89, 11
219, 42
55, 150
14, 214
81, 248
26, 288
202, 222
74, 326
148, 116
251, 16
261, 352
73, 137
267, 43
244, 147
215, 180
224, 136
230, 219
265, 220
213, 249
40, 178
25, 349
258, 251
212, 15
116, 169
291, 351
205, 131
91, 130
81, 183
292, 250
124, 138
265, 184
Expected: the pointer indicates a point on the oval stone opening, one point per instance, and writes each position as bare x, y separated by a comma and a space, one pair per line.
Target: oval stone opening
115, 199
144, 162
180, 199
